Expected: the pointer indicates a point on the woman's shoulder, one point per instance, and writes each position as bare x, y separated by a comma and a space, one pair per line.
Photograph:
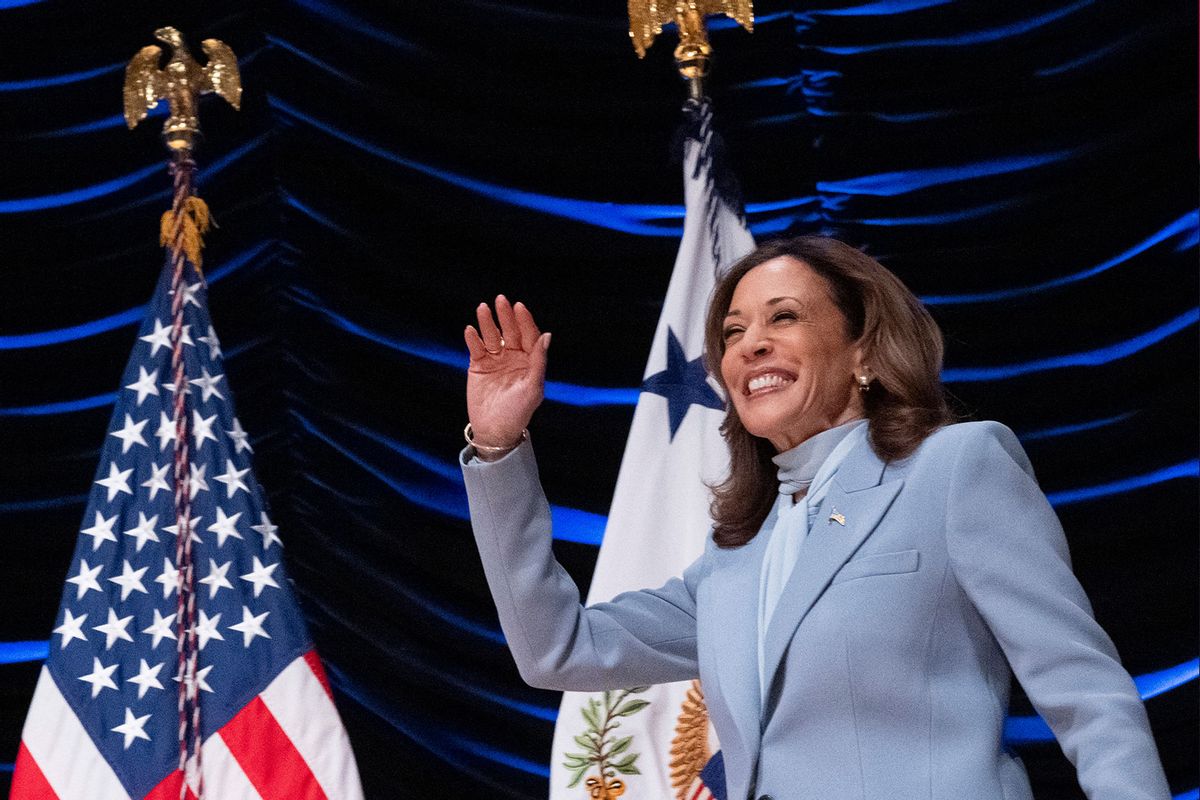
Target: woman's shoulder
978, 436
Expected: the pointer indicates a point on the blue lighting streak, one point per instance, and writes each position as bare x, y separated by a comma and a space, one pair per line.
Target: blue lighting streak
633, 218
555, 391
318, 217
22, 652
891, 184
107, 123
350, 22
1024, 730
962, 40
1088, 358
311, 59
1086, 58
936, 219
206, 174
1078, 427
450, 499
1186, 469
724, 23
58, 80
881, 8
441, 744
64, 407
43, 202
44, 504
1189, 223
1194, 794
884, 116
6, 4
130, 316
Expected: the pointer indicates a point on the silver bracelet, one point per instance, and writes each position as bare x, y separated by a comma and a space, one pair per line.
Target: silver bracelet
469, 435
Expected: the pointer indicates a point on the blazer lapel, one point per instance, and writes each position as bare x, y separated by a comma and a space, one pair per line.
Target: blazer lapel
861, 501
735, 624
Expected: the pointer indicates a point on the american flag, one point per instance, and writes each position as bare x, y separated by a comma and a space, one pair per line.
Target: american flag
105, 721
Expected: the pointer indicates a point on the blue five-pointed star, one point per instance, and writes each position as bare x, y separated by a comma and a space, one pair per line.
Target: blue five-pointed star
684, 383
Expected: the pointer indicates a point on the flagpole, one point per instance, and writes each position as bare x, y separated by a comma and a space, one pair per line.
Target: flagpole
181, 83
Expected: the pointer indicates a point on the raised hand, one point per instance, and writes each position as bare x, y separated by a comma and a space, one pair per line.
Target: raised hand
507, 372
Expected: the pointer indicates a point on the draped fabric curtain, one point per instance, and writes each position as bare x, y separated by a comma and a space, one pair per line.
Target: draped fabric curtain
1028, 168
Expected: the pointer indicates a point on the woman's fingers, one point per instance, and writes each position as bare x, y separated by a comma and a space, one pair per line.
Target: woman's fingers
537, 356
487, 329
529, 329
508, 323
474, 343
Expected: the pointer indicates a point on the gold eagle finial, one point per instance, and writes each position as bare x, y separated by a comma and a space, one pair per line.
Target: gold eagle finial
647, 17
180, 83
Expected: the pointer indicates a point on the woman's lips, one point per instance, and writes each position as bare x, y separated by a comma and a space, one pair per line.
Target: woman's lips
768, 381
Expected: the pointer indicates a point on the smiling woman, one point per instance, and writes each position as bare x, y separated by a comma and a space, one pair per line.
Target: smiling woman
876, 575
843, 338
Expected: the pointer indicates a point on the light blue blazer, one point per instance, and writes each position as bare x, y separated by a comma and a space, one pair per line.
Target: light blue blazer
892, 644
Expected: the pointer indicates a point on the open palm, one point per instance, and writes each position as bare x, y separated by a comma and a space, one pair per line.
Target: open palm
507, 372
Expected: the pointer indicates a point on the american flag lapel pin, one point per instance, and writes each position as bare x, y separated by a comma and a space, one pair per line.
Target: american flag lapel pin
834, 516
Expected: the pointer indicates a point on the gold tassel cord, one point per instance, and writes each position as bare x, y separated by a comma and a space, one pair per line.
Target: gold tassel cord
196, 222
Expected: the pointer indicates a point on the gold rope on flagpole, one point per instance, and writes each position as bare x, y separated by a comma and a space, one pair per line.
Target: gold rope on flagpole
180, 82
693, 54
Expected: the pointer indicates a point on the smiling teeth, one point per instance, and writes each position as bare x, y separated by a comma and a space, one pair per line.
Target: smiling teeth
767, 382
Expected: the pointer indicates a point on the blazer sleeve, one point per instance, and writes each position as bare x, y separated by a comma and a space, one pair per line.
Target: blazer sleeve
1008, 552
639, 638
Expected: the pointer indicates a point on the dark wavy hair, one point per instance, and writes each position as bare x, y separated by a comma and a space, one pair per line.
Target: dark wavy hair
902, 345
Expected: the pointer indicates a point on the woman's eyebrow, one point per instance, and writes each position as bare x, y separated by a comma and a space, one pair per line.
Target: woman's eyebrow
774, 301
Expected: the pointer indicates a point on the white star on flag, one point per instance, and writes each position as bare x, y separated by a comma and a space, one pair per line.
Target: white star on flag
196, 482
145, 385
239, 437
161, 337
206, 628
146, 678
158, 480
114, 629
193, 526
224, 527
117, 481
86, 579
130, 580
216, 580
71, 628
130, 434
214, 346
208, 385
165, 432
250, 626
200, 680
268, 532
160, 628
169, 578
189, 293
232, 478
100, 677
143, 531
202, 429
132, 728
101, 531
260, 576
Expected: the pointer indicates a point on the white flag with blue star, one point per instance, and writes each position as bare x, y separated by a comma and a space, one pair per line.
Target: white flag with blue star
659, 517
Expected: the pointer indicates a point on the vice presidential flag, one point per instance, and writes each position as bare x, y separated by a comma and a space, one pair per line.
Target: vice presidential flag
105, 719
659, 517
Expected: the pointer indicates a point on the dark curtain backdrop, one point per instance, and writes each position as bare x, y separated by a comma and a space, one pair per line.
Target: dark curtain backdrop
1028, 167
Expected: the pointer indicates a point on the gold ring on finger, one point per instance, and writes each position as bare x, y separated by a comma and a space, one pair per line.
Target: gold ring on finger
497, 351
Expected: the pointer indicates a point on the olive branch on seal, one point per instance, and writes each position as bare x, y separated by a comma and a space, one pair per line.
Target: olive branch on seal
600, 747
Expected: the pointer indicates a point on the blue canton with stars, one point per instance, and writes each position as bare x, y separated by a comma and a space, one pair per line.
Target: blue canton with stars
113, 653
684, 383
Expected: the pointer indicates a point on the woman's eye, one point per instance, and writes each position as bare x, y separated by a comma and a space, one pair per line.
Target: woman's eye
784, 315
729, 333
